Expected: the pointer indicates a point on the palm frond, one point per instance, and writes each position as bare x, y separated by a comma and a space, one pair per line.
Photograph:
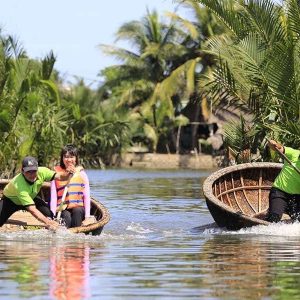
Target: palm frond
48, 65
265, 17
229, 12
121, 54
132, 32
189, 26
293, 12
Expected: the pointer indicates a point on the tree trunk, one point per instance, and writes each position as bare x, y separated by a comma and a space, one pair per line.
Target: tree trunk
178, 140
195, 127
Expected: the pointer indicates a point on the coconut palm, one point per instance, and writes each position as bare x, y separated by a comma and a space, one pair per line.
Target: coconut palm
137, 82
195, 63
259, 63
31, 120
161, 74
153, 45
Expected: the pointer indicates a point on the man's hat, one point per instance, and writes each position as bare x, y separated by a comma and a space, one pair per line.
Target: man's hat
29, 163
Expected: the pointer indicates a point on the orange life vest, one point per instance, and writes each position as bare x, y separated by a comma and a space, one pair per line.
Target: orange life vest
74, 197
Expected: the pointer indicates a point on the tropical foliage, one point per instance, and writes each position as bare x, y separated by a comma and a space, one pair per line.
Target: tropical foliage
259, 68
31, 121
240, 138
38, 115
93, 125
136, 83
159, 75
241, 54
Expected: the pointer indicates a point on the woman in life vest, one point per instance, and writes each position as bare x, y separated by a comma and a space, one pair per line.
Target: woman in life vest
77, 202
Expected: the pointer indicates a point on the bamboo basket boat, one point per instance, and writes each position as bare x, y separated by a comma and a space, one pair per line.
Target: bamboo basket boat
22, 220
238, 196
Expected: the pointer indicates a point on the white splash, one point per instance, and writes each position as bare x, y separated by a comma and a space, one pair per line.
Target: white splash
136, 227
168, 233
278, 229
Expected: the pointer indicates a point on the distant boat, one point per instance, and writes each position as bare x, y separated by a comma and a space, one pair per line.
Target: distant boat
238, 196
21, 220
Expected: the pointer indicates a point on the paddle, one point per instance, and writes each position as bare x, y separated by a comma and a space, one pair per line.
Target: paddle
63, 205
283, 156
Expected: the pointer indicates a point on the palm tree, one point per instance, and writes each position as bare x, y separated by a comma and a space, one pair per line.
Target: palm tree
259, 64
162, 73
137, 82
195, 63
31, 119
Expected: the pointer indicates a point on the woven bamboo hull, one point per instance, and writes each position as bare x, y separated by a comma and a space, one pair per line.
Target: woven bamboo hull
23, 219
238, 196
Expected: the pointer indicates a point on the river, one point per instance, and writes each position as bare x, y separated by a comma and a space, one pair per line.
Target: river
156, 246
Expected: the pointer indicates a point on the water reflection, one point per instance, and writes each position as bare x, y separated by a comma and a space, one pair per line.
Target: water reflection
25, 274
69, 271
246, 269
151, 249
35, 270
22, 264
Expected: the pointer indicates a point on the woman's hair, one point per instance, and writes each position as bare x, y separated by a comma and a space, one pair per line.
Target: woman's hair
71, 150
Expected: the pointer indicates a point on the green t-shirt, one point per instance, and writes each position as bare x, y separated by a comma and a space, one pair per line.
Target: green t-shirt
21, 192
288, 179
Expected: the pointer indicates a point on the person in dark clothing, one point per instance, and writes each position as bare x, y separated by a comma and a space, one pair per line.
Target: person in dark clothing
284, 195
21, 192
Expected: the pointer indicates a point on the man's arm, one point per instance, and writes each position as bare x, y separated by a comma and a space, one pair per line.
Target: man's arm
61, 176
66, 175
50, 224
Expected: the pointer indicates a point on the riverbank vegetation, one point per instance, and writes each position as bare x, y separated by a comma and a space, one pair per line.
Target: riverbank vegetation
228, 55
258, 72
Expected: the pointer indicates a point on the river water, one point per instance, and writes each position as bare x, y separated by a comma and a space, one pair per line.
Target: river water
156, 246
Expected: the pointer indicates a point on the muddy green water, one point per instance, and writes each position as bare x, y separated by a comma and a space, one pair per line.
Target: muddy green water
153, 248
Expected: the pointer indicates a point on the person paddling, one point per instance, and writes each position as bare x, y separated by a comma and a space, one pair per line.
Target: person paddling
21, 193
284, 195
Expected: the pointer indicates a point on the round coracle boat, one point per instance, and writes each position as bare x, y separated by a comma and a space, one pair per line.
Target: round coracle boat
238, 196
23, 220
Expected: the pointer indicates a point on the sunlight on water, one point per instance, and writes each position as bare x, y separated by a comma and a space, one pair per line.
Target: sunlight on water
156, 246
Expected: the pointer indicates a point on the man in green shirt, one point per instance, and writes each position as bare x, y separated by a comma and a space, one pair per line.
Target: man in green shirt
284, 195
21, 192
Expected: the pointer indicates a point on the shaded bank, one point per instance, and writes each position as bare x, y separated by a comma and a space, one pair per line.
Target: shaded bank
166, 161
